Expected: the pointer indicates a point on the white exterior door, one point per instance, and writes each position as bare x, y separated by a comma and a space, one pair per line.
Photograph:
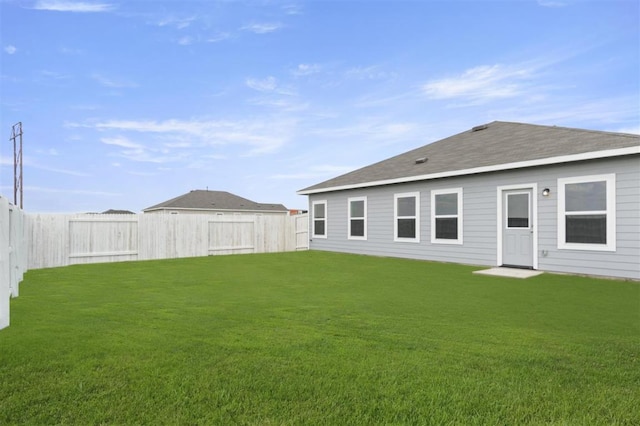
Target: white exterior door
517, 228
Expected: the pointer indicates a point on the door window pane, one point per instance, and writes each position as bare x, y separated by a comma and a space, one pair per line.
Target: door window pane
517, 210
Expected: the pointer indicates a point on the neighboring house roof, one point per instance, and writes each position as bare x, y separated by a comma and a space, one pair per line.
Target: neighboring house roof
491, 147
215, 200
114, 211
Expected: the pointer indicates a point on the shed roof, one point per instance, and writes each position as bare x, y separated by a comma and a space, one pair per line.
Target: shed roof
495, 146
200, 199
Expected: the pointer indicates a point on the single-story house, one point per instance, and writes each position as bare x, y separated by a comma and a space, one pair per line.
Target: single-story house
201, 201
501, 194
117, 211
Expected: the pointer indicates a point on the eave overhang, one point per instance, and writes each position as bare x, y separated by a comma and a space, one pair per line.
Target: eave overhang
594, 155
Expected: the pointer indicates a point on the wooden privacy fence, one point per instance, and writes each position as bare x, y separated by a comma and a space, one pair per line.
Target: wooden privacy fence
13, 255
60, 240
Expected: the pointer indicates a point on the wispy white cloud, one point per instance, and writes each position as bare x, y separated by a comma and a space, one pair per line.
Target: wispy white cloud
262, 136
30, 162
552, 3
218, 37
292, 9
267, 84
70, 51
51, 151
52, 75
372, 129
185, 40
262, 28
482, 83
305, 69
70, 191
121, 141
133, 151
73, 6
281, 104
373, 72
10, 49
176, 22
113, 83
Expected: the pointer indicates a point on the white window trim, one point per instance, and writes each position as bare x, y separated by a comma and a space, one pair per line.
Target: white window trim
349, 218
610, 180
396, 217
434, 192
313, 219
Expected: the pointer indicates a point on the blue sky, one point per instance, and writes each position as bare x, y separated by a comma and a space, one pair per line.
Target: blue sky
126, 104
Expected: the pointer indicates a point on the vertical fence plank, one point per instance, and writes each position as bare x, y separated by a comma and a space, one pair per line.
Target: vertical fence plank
12, 256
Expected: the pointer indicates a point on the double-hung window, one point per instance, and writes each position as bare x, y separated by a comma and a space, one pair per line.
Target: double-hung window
587, 213
446, 216
407, 217
319, 209
357, 218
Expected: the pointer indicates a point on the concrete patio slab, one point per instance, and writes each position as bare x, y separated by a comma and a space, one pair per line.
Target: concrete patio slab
509, 272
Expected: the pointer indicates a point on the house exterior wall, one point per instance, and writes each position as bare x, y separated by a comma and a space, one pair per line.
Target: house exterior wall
480, 215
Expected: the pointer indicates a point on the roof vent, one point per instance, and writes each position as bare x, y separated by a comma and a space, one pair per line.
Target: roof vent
421, 160
478, 128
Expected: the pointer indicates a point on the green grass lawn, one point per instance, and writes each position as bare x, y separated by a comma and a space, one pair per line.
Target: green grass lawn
317, 338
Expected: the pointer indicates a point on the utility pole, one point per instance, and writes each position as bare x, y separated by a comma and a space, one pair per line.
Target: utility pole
16, 137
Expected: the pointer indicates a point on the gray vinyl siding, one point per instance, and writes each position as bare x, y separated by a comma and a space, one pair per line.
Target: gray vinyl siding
480, 246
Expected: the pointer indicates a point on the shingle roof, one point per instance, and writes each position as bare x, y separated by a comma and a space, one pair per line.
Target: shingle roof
493, 144
116, 211
215, 200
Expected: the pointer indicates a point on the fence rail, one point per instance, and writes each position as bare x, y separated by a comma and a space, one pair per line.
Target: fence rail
60, 240
13, 255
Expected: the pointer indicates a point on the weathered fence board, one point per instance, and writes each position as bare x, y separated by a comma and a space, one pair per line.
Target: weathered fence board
59, 240
13, 256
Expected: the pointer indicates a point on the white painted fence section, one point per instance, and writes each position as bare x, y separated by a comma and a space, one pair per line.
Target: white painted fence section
13, 255
60, 240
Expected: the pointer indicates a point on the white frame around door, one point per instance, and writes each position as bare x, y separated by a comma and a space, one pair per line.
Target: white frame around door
534, 218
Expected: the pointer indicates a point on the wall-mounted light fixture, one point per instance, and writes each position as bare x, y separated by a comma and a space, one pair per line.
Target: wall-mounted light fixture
546, 192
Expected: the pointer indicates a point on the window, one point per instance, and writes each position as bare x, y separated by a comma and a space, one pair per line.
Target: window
319, 209
446, 216
407, 217
357, 218
518, 210
586, 213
